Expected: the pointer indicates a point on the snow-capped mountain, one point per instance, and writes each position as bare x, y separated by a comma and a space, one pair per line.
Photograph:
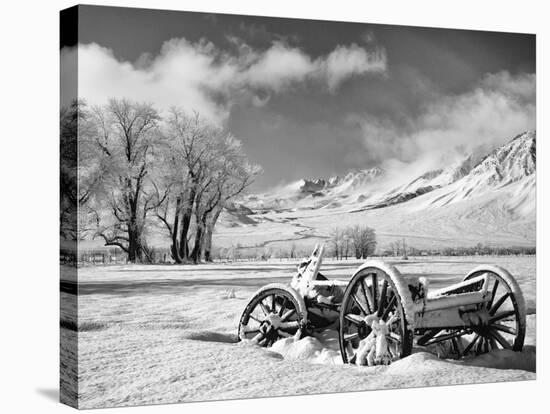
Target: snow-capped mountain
481, 197
317, 192
443, 176
341, 184
508, 164
474, 175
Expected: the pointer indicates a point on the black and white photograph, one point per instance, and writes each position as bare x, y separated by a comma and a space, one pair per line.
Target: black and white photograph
264, 206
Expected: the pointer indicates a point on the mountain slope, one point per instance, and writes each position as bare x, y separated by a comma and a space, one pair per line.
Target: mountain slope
488, 198
508, 164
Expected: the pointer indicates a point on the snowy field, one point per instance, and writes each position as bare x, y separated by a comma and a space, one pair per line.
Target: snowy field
164, 334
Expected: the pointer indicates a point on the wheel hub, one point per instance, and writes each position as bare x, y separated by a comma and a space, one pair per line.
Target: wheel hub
363, 330
271, 323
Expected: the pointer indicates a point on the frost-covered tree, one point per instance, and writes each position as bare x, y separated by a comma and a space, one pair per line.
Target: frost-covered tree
124, 138
363, 239
205, 168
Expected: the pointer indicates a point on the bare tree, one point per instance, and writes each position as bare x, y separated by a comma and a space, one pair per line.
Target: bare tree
395, 247
363, 240
336, 238
68, 177
405, 255
292, 252
233, 176
83, 169
207, 168
126, 135
188, 145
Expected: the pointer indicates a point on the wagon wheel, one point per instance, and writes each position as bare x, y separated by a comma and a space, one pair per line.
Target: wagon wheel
377, 293
274, 312
504, 324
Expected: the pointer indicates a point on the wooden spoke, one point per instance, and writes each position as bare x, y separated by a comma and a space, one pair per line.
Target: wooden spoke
355, 319
367, 295
283, 333
499, 303
395, 336
502, 315
427, 336
391, 305
493, 294
458, 346
382, 301
263, 342
493, 343
470, 346
349, 337
455, 345
283, 306
258, 337
255, 318
499, 338
480, 345
264, 308
287, 314
392, 353
273, 304
503, 328
374, 291
370, 299
394, 319
289, 325
356, 300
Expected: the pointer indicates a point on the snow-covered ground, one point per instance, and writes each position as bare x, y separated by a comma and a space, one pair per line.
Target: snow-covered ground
163, 334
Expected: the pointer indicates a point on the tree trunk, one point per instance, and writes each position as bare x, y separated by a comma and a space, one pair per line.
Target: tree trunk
134, 236
196, 253
208, 244
131, 247
186, 223
174, 249
209, 232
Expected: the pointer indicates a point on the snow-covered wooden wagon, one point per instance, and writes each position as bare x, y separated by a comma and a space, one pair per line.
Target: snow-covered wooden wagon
380, 313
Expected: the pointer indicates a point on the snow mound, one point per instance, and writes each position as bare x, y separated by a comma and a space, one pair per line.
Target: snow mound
322, 349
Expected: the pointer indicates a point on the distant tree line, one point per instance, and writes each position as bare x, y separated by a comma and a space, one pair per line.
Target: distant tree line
137, 169
400, 249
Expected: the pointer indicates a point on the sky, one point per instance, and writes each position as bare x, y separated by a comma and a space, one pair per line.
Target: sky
315, 98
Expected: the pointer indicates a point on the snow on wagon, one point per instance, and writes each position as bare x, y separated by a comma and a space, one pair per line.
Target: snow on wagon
380, 313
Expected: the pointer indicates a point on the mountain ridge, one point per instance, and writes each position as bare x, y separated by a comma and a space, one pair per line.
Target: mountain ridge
366, 189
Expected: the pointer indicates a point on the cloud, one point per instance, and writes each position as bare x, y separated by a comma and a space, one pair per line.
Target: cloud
203, 77
344, 62
500, 106
278, 67
175, 77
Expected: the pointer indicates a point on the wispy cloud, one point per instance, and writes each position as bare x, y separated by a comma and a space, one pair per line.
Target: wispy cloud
203, 77
498, 107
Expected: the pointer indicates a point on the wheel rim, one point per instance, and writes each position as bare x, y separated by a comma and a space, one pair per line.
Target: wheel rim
502, 328
271, 315
372, 292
